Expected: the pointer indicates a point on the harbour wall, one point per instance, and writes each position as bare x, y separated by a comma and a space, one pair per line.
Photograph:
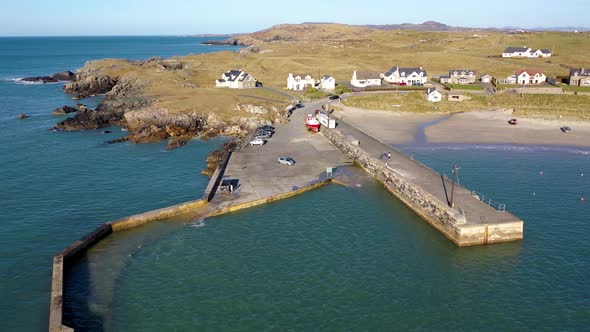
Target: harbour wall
447, 220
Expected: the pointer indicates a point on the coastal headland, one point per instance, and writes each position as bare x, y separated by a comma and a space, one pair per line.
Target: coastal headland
176, 98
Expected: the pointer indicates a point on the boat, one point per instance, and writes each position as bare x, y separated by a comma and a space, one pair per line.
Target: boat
312, 123
566, 129
512, 121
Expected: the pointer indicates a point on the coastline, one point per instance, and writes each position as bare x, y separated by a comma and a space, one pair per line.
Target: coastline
475, 127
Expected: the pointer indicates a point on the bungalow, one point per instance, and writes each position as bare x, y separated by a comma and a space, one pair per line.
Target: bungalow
580, 76
486, 78
363, 79
236, 79
327, 82
530, 76
298, 82
409, 76
459, 76
433, 95
525, 52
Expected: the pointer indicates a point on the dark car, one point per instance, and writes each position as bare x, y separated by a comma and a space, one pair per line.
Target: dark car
513, 121
263, 134
334, 97
566, 129
267, 128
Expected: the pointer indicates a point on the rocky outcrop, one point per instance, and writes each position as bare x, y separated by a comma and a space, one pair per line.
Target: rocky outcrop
63, 76
85, 86
64, 110
155, 125
87, 119
23, 116
216, 157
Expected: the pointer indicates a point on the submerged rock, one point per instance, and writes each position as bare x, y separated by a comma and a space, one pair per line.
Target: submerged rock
175, 143
62, 76
23, 116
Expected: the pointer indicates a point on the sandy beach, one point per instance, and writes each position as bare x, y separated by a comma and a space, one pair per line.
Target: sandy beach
477, 127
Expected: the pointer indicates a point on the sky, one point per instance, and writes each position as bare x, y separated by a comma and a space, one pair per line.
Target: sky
183, 17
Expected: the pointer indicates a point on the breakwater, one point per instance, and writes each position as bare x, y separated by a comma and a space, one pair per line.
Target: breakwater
466, 220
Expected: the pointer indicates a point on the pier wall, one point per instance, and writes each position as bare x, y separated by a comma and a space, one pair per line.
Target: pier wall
447, 220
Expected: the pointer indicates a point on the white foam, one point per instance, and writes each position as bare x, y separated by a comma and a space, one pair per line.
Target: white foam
512, 148
198, 223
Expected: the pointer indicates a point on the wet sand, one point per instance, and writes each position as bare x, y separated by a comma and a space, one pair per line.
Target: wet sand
478, 127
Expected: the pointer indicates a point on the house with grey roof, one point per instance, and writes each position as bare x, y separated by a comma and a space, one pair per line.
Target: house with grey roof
580, 76
407, 76
298, 82
526, 52
433, 95
236, 79
363, 79
460, 76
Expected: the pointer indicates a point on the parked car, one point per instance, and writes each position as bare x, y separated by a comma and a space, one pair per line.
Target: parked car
334, 97
263, 134
566, 129
267, 128
418, 84
513, 121
257, 141
286, 161
403, 84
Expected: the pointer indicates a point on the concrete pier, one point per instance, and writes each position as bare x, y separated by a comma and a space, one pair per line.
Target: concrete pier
468, 222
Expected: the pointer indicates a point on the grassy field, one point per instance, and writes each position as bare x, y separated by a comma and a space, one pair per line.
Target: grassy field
464, 86
338, 50
541, 106
576, 88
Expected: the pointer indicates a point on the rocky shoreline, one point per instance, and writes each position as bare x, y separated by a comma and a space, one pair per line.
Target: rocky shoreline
125, 104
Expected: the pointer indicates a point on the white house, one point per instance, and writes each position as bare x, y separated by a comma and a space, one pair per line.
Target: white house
363, 79
459, 76
236, 79
525, 52
327, 82
530, 76
409, 76
298, 82
433, 95
486, 78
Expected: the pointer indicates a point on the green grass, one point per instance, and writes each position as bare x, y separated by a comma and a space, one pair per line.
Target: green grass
464, 86
576, 88
312, 93
340, 89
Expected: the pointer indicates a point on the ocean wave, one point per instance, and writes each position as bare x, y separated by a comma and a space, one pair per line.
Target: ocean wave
19, 80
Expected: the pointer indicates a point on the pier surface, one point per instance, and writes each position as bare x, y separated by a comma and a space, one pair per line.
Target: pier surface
259, 175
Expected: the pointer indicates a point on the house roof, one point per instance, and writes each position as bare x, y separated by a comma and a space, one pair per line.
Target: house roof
545, 50
325, 77
431, 90
531, 72
461, 71
406, 71
301, 75
580, 72
486, 75
221, 80
367, 75
513, 49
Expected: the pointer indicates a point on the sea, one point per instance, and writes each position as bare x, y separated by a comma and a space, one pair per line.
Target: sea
336, 258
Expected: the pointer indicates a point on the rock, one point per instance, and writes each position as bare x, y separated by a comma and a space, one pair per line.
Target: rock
175, 143
171, 65
64, 110
89, 119
39, 79
155, 125
118, 140
64, 76
214, 159
23, 116
89, 86
106, 131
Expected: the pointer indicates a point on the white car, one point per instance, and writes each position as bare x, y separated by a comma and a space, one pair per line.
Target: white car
286, 161
257, 141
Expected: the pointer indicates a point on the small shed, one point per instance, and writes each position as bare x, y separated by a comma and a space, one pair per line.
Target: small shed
486, 78
433, 95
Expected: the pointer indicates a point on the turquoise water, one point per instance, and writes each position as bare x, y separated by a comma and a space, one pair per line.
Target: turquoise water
335, 258
55, 187
356, 259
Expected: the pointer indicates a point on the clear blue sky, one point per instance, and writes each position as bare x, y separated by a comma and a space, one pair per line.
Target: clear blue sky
174, 17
